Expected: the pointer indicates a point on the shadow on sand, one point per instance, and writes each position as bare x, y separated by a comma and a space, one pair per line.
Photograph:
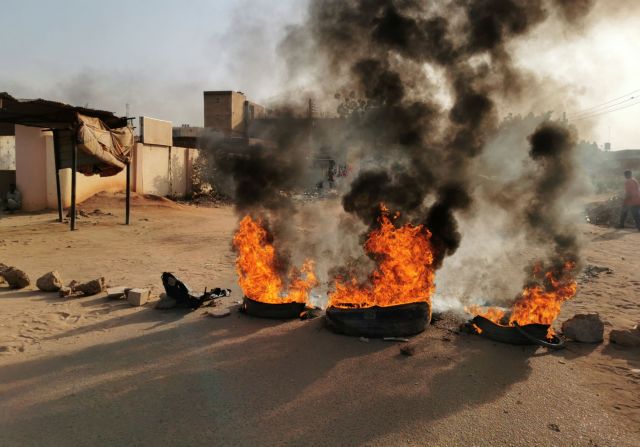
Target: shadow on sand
245, 381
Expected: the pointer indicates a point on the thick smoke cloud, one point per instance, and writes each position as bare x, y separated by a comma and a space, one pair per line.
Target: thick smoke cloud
391, 62
377, 48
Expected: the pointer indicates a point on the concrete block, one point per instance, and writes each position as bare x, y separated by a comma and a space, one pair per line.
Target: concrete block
116, 293
138, 297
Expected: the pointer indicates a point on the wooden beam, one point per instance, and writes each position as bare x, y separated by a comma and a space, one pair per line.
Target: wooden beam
128, 192
56, 157
74, 168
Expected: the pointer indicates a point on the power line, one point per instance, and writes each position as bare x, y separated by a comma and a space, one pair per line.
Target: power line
605, 108
606, 104
605, 112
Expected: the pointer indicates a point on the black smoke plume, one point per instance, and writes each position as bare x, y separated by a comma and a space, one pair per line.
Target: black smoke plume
552, 147
380, 45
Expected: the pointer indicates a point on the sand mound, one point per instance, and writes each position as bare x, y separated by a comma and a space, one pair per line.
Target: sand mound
117, 200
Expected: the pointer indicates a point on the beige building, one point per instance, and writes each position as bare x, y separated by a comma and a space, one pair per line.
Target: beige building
158, 168
228, 111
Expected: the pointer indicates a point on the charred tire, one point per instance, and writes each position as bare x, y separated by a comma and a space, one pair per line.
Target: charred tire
376, 322
555, 343
521, 335
275, 311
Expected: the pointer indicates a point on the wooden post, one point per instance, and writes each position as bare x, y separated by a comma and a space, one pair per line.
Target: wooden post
56, 157
128, 174
74, 167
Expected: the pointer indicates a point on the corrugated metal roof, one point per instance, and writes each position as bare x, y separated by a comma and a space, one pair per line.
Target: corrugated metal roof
49, 114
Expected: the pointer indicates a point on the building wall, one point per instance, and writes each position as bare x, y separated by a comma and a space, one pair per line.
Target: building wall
7, 153
159, 170
31, 167
237, 112
155, 131
163, 171
224, 111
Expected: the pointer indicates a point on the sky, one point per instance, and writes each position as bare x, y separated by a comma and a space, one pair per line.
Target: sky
158, 56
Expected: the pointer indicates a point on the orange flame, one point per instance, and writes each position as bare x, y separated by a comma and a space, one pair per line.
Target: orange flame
538, 303
404, 273
256, 267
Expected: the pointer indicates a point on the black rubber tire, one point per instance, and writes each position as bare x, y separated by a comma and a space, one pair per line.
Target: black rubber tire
274, 311
376, 322
510, 334
556, 342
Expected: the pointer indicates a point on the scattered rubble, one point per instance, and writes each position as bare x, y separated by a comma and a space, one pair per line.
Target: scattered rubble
406, 340
88, 288
218, 313
607, 213
310, 314
629, 338
16, 278
138, 297
408, 350
65, 291
166, 302
117, 293
591, 272
50, 282
584, 328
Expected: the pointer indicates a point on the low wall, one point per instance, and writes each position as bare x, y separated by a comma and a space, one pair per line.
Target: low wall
162, 170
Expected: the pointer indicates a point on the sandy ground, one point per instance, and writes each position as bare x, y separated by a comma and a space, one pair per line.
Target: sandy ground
88, 371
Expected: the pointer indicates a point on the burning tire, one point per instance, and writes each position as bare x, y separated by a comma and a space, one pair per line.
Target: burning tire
529, 334
275, 311
376, 322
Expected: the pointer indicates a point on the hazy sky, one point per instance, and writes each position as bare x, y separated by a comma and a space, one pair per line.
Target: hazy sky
159, 56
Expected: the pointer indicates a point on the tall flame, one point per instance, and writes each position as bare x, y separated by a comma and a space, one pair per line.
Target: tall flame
256, 267
539, 303
404, 273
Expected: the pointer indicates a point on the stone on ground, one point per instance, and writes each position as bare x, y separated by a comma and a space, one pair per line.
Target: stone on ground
16, 278
50, 282
218, 313
629, 338
117, 293
166, 302
90, 287
584, 328
138, 297
408, 349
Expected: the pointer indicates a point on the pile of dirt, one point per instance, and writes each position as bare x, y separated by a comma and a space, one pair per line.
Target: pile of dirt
109, 200
607, 212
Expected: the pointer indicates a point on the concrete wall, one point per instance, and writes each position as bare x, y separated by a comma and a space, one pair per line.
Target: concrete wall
237, 112
156, 132
31, 167
7, 153
159, 170
163, 171
35, 173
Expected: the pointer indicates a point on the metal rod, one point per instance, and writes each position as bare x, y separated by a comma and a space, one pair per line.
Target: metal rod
74, 167
128, 192
56, 158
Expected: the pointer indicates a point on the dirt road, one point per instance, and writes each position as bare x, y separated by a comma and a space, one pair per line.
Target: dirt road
94, 372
